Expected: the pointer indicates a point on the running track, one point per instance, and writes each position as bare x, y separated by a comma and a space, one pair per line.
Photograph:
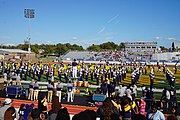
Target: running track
72, 109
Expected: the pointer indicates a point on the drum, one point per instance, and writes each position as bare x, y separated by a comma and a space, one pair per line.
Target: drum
80, 83
77, 90
86, 84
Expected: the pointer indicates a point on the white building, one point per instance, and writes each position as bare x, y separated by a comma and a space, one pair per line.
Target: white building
141, 46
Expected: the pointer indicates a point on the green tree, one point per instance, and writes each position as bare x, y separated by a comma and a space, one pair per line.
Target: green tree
94, 48
163, 48
121, 46
108, 46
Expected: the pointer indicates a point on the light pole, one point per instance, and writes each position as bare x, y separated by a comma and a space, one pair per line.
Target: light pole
29, 13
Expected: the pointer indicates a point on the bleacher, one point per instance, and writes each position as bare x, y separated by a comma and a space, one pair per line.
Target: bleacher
79, 55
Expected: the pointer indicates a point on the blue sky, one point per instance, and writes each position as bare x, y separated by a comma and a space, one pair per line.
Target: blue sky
87, 22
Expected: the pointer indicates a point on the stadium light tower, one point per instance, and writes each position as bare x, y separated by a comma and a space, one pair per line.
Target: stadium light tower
29, 13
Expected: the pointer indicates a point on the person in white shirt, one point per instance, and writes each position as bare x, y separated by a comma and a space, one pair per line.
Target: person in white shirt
122, 90
129, 92
134, 90
154, 114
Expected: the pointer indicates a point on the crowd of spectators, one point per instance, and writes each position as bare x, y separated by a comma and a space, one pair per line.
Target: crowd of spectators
111, 109
117, 55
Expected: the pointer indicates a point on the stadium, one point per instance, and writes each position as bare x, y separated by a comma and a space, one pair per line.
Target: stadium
89, 60
93, 70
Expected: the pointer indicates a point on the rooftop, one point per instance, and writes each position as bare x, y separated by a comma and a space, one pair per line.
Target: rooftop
13, 50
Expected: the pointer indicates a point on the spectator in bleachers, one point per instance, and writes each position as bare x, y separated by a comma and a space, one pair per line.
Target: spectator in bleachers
142, 106
43, 105
134, 108
21, 111
35, 114
42, 116
126, 110
85, 115
27, 112
55, 106
10, 114
107, 109
63, 114
176, 112
6, 104
154, 114
114, 116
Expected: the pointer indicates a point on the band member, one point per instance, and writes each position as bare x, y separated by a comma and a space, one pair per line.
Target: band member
151, 75
5, 79
18, 79
1, 73
50, 91
36, 91
104, 88
60, 72
70, 92
74, 67
175, 68
13, 78
31, 90
59, 89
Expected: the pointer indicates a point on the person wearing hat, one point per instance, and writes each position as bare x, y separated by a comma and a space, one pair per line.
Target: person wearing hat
7, 104
74, 68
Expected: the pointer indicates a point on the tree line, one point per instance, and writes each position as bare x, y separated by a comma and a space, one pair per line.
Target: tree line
60, 49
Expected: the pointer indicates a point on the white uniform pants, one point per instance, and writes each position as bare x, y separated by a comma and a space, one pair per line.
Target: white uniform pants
70, 96
58, 93
36, 92
75, 72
